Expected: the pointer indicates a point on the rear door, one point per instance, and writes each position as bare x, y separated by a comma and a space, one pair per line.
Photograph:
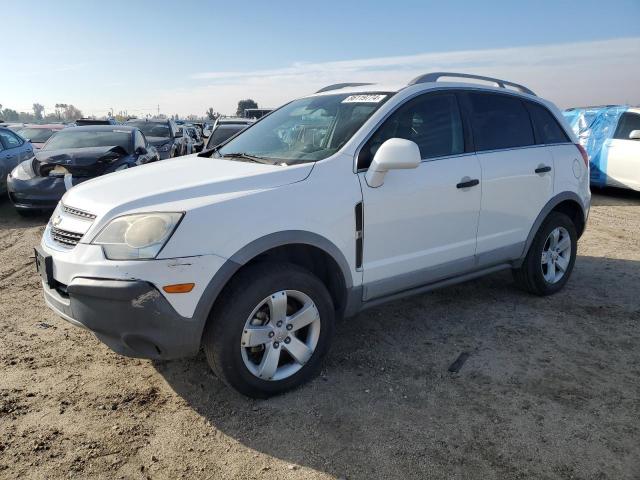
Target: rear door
419, 227
517, 174
623, 161
14, 150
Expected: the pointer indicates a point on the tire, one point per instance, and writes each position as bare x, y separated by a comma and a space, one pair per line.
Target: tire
533, 275
231, 319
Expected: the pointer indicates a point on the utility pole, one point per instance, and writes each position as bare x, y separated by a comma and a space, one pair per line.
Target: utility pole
158, 109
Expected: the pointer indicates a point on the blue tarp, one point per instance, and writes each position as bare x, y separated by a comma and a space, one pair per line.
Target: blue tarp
594, 126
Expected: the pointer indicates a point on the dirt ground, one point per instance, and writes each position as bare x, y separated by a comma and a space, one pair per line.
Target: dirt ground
551, 388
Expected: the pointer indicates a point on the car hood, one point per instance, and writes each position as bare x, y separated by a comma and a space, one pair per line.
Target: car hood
155, 141
179, 184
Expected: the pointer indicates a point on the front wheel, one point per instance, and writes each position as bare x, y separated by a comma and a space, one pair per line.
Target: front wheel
549, 262
271, 329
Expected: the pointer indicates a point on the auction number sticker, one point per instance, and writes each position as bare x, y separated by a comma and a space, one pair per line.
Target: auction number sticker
364, 99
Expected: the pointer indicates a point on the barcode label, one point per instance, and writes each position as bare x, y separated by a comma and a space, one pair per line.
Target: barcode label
364, 99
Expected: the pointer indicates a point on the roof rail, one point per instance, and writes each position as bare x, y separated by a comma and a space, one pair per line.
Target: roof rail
336, 86
433, 77
594, 106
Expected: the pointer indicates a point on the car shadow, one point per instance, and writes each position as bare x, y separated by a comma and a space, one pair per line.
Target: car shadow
10, 219
386, 405
610, 196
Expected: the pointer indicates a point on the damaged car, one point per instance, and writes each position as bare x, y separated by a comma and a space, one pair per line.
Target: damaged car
165, 135
73, 156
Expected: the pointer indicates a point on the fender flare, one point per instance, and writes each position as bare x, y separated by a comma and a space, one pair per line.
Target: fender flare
257, 247
549, 206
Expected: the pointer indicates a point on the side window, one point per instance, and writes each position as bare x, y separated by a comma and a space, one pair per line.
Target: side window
499, 121
545, 125
138, 140
628, 123
432, 121
9, 139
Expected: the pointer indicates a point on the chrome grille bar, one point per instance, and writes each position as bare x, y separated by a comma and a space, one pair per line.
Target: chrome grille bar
76, 212
65, 237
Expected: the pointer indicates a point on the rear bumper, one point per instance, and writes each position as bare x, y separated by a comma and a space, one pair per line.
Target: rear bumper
130, 316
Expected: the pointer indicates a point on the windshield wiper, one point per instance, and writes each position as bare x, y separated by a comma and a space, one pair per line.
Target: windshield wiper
247, 156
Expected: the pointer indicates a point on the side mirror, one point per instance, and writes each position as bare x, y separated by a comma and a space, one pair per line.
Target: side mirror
394, 154
141, 151
634, 135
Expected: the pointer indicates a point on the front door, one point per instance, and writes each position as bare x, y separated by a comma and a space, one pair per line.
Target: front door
420, 225
623, 159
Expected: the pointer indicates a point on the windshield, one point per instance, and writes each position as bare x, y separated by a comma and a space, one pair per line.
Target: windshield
223, 133
36, 135
152, 129
73, 138
308, 129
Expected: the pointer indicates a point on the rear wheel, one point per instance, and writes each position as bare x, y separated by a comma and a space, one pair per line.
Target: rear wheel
549, 262
271, 329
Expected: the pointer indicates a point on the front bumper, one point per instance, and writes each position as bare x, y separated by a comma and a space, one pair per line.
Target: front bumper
36, 193
123, 303
130, 316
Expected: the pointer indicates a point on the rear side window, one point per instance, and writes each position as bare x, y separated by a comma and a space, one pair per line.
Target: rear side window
432, 121
499, 121
9, 139
628, 123
545, 125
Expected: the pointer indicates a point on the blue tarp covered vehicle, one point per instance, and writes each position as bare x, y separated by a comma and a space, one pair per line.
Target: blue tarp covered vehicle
594, 126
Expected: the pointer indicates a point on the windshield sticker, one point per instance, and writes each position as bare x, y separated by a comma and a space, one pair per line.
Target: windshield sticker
364, 99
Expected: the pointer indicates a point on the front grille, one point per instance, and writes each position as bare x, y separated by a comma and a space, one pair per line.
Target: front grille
65, 237
78, 213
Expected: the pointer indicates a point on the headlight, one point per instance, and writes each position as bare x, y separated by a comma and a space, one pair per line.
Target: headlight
24, 171
138, 236
164, 148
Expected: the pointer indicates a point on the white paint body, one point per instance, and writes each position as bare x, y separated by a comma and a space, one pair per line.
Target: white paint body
416, 220
623, 161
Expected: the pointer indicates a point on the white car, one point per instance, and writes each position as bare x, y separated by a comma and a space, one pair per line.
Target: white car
611, 136
335, 202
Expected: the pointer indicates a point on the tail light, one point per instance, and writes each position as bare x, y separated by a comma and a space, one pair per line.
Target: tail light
585, 155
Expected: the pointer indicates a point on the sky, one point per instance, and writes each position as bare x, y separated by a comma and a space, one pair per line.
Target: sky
186, 56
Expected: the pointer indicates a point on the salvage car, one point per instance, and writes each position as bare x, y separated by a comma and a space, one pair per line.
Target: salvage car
72, 156
336, 202
39, 134
611, 136
13, 150
164, 135
196, 138
225, 128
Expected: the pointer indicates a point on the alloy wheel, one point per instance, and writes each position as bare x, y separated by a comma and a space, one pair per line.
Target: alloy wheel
556, 255
280, 335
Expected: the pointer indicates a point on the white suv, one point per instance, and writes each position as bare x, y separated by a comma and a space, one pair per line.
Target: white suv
335, 202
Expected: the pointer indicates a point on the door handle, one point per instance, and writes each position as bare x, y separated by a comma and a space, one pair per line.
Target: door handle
543, 169
466, 183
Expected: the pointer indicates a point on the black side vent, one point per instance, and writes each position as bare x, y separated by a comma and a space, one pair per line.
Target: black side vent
359, 222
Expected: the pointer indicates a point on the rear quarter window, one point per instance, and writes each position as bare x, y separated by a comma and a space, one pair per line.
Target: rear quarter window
499, 121
628, 123
546, 127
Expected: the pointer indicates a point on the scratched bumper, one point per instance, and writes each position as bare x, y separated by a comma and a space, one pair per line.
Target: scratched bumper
130, 316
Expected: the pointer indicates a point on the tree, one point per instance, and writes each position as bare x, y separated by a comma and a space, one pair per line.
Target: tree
244, 104
71, 113
37, 111
10, 115
211, 115
60, 107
